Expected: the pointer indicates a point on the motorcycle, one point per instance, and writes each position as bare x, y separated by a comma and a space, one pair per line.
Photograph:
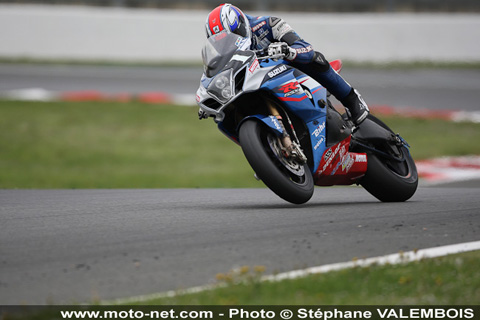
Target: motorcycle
289, 131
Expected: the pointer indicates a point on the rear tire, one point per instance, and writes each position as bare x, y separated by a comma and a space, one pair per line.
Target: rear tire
387, 185
291, 181
390, 180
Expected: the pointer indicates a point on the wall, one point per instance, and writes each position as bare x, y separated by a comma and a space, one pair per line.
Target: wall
70, 32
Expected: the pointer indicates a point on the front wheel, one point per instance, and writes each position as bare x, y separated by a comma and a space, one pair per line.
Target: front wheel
290, 180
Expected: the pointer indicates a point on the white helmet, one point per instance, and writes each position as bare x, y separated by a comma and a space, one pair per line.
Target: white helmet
229, 18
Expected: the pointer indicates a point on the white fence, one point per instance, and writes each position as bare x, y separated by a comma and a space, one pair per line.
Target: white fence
84, 33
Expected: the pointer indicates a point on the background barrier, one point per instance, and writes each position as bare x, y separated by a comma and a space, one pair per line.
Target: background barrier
152, 35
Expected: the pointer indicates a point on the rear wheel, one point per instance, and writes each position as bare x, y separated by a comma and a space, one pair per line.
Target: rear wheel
391, 173
289, 179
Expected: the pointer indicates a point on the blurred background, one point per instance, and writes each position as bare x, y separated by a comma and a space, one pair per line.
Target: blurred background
284, 5
409, 56
173, 31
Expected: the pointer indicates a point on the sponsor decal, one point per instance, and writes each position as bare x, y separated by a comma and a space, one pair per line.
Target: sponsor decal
240, 41
216, 29
347, 163
291, 93
334, 155
198, 98
275, 123
330, 157
277, 71
304, 50
361, 158
254, 66
263, 34
258, 26
289, 87
220, 36
319, 129
342, 152
327, 155
319, 143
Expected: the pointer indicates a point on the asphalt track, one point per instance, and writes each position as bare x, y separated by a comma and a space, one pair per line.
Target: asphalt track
66, 246
438, 89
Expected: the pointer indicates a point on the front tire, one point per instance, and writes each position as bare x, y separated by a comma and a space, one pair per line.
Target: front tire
291, 181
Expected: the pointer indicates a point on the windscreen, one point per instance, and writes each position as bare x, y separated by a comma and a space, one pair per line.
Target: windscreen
218, 51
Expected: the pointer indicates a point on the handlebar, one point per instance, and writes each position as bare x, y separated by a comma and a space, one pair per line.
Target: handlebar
261, 54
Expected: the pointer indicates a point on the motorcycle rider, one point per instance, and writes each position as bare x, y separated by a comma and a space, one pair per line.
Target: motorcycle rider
274, 34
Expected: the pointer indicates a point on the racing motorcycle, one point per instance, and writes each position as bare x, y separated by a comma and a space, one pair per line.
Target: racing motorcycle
289, 131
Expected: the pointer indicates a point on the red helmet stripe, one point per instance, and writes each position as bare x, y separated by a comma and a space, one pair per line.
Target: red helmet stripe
214, 19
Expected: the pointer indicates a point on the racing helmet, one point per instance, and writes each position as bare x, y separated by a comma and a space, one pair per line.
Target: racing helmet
229, 18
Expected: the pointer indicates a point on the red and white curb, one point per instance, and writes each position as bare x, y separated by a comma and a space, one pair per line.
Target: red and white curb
39, 94
448, 169
411, 112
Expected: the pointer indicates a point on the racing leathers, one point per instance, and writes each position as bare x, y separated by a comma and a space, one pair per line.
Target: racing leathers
276, 35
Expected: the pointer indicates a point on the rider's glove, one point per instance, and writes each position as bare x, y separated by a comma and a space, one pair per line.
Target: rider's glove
281, 50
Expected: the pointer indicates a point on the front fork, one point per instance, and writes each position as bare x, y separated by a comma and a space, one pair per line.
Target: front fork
291, 149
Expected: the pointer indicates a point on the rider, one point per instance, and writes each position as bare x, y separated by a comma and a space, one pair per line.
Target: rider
280, 39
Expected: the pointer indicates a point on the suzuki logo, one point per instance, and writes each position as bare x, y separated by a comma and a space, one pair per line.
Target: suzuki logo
289, 87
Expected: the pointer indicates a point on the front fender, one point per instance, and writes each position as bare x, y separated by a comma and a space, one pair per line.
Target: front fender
270, 121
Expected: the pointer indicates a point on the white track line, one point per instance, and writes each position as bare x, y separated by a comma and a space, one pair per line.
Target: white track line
397, 258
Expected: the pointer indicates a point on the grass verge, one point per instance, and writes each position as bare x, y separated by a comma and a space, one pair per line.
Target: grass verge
135, 145
449, 280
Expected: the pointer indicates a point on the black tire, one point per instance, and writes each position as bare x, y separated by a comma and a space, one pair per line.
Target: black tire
387, 179
295, 187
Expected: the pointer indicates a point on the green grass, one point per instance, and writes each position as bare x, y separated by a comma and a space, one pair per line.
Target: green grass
135, 145
436, 138
450, 280
114, 145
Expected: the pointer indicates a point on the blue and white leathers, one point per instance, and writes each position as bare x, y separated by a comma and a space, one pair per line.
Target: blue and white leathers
266, 30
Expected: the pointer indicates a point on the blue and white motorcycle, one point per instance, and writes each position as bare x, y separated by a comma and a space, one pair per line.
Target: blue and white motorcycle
289, 131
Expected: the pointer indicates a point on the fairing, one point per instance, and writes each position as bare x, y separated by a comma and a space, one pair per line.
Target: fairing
295, 91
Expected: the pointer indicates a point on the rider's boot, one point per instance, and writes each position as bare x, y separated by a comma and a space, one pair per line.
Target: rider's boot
356, 106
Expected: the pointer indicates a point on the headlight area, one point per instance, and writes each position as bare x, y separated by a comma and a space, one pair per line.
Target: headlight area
221, 86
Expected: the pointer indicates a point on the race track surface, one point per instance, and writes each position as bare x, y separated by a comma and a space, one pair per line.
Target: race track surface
436, 89
67, 246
